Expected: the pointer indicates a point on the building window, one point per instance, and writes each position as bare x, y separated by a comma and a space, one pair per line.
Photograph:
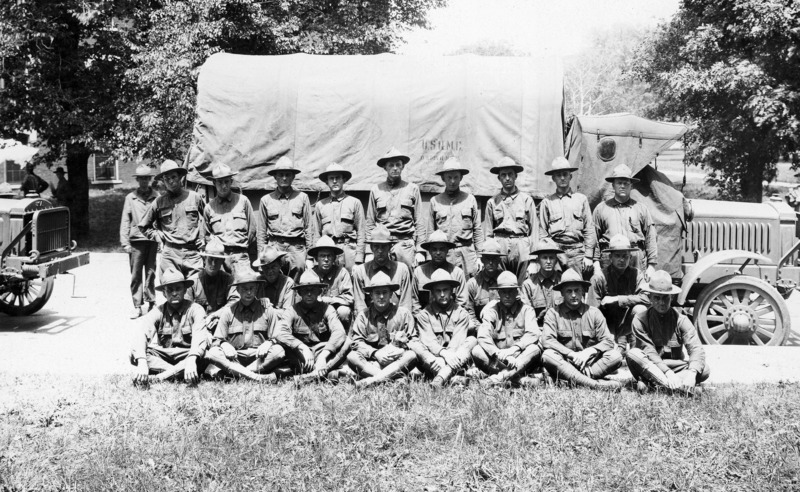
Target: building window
105, 167
12, 172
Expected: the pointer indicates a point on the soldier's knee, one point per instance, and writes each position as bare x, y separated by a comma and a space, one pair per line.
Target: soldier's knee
614, 357
471, 342
479, 354
551, 357
355, 358
637, 309
635, 356
704, 374
277, 351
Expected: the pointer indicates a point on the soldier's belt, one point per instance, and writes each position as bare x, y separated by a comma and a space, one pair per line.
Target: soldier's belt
509, 235
187, 247
287, 239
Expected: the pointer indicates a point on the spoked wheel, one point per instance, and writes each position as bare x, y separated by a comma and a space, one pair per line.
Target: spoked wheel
741, 310
25, 297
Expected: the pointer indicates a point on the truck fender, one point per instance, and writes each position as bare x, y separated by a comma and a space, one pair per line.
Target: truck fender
710, 260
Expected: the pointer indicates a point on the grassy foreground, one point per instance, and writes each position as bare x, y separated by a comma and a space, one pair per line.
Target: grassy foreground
102, 433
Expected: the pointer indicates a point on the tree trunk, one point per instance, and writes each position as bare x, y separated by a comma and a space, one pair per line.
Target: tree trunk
77, 164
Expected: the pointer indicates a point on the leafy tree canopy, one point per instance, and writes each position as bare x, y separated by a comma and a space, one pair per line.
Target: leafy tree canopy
732, 69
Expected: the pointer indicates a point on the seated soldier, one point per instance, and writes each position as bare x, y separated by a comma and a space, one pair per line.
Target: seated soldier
480, 288
617, 291
537, 290
444, 347
172, 336
381, 334
661, 334
312, 334
213, 288
339, 290
244, 342
508, 337
437, 246
577, 344
276, 287
381, 243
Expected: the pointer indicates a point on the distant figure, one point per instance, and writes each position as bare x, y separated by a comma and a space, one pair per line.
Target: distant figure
32, 183
62, 191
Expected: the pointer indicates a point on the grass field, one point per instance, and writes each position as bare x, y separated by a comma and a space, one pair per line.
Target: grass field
102, 433
105, 211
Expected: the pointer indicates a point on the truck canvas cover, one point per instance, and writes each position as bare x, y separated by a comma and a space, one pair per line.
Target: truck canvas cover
316, 110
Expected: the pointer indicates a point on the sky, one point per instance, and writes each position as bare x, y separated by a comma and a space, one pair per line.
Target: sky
538, 27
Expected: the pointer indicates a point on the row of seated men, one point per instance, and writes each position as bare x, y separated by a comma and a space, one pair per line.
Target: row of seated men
380, 324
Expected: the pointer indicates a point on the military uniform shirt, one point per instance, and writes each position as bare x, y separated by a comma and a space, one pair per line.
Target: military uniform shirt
373, 330
279, 293
627, 285
287, 216
175, 219
310, 325
443, 328
169, 327
340, 286
399, 208
538, 292
458, 217
397, 271
480, 294
503, 327
512, 214
212, 292
246, 327
422, 275
632, 220
231, 220
571, 330
340, 218
136, 204
567, 220
664, 336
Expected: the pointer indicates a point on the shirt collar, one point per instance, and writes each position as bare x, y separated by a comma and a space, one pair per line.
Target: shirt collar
567, 193
302, 309
172, 311
338, 198
249, 309
287, 195
326, 277
389, 313
227, 199
440, 310
513, 310
512, 195
542, 279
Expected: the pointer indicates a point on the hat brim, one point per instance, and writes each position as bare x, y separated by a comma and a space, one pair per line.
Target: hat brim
303, 286
180, 170
674, 290
148, 175
611, 179
501, 287
496, 170
499, 255
186, 283
229, 175
273, 172
250, 281
619, 250
259, 264
562, 285
427, 246
461, 170
391, 287
452, 283
380, 241
551, 172
404, 158
547, 250
222, 256
323, 176
316, 249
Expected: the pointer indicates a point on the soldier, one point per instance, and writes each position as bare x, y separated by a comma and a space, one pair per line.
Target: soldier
508, 337
341, 217
577, 344
62, 191
213, 289
480, 288
32, 183
538, 290
624, 215
565, 217
381, 243
175, 219
229, 217
662, 332
245, 339
511, 219
456, 213
437, 246
277, 287
619, 292
313, 336
286, 219
396, 204
381, 335
444, 346
171, 337
338, 283
141, 250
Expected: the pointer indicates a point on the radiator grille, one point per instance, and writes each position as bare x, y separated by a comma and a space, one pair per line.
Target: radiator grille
50, 232
711, 236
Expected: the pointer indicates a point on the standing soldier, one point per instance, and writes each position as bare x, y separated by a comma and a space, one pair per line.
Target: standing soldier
32, 183
213, 289
624, 215
276, 287
341, 217
565, 217
286, 219
338, 283
480, 288
511, 219
62, 191
381, 242
229, 216
396, 204
456, 213
577, 344
437, 246
176, 219
141, 249
538, 291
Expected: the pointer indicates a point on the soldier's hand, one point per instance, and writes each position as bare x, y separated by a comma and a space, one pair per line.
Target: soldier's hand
688, 380
228, 350
308, 358
419, 258
608, 300
587, 263
263, 349
649, 272
505, 353
190, 372
450, 358
309, 264
580, 359
321, 363
438, 364
127, 249
674, 382
597, 269
384, 358
532, 269
142, 373
478, 264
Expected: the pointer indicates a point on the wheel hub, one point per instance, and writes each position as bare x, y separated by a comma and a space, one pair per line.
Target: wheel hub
742, 321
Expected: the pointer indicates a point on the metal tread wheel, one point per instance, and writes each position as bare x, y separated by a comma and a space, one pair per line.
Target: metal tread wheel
25, 297
741, 310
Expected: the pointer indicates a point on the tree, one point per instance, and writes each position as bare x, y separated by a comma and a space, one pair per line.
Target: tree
732, 70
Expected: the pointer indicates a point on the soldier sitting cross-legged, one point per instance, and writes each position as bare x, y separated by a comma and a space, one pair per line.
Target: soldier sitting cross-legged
339, 285
538, 290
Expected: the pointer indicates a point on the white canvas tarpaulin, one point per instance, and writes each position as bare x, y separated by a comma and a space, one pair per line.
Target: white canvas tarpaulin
251, 110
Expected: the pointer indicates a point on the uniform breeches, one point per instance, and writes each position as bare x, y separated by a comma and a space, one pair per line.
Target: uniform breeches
405, 251
517, 250
644, 369
466, 258
426, 357
143, 271
530, 359
294, 263
187, 261
335, 360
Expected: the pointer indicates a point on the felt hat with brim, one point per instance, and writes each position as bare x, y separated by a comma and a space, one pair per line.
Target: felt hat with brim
506, 280
143, 171
323, 243
221, 171
440, 277
380, 235
491, 248
60, 170
284, 164
168, 166
547, 245
453, 164
619, 243
437, 237
309, 279
270, 255
571, 277
334, 169
247, 278
661, 283
172, 277
560, 164
622, 172
380, 279
506, 163
214, 249
393, 153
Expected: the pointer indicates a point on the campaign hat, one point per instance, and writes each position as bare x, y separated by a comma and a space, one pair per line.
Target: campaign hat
283, 164
334, 168
325, 242
393, 153
506, 163
559, 164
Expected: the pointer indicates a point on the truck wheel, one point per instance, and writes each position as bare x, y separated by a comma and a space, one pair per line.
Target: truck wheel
25, 297
741, 310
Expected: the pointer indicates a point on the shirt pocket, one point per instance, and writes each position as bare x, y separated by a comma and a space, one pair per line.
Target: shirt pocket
238, 222
497, 213
556, 222
192, 216
348, 221
165, 216
521, 216
215, 223
577, 220
381, 205
466, 220
301, 331
406, 209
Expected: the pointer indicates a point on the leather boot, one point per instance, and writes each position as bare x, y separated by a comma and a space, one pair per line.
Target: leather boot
565, 370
